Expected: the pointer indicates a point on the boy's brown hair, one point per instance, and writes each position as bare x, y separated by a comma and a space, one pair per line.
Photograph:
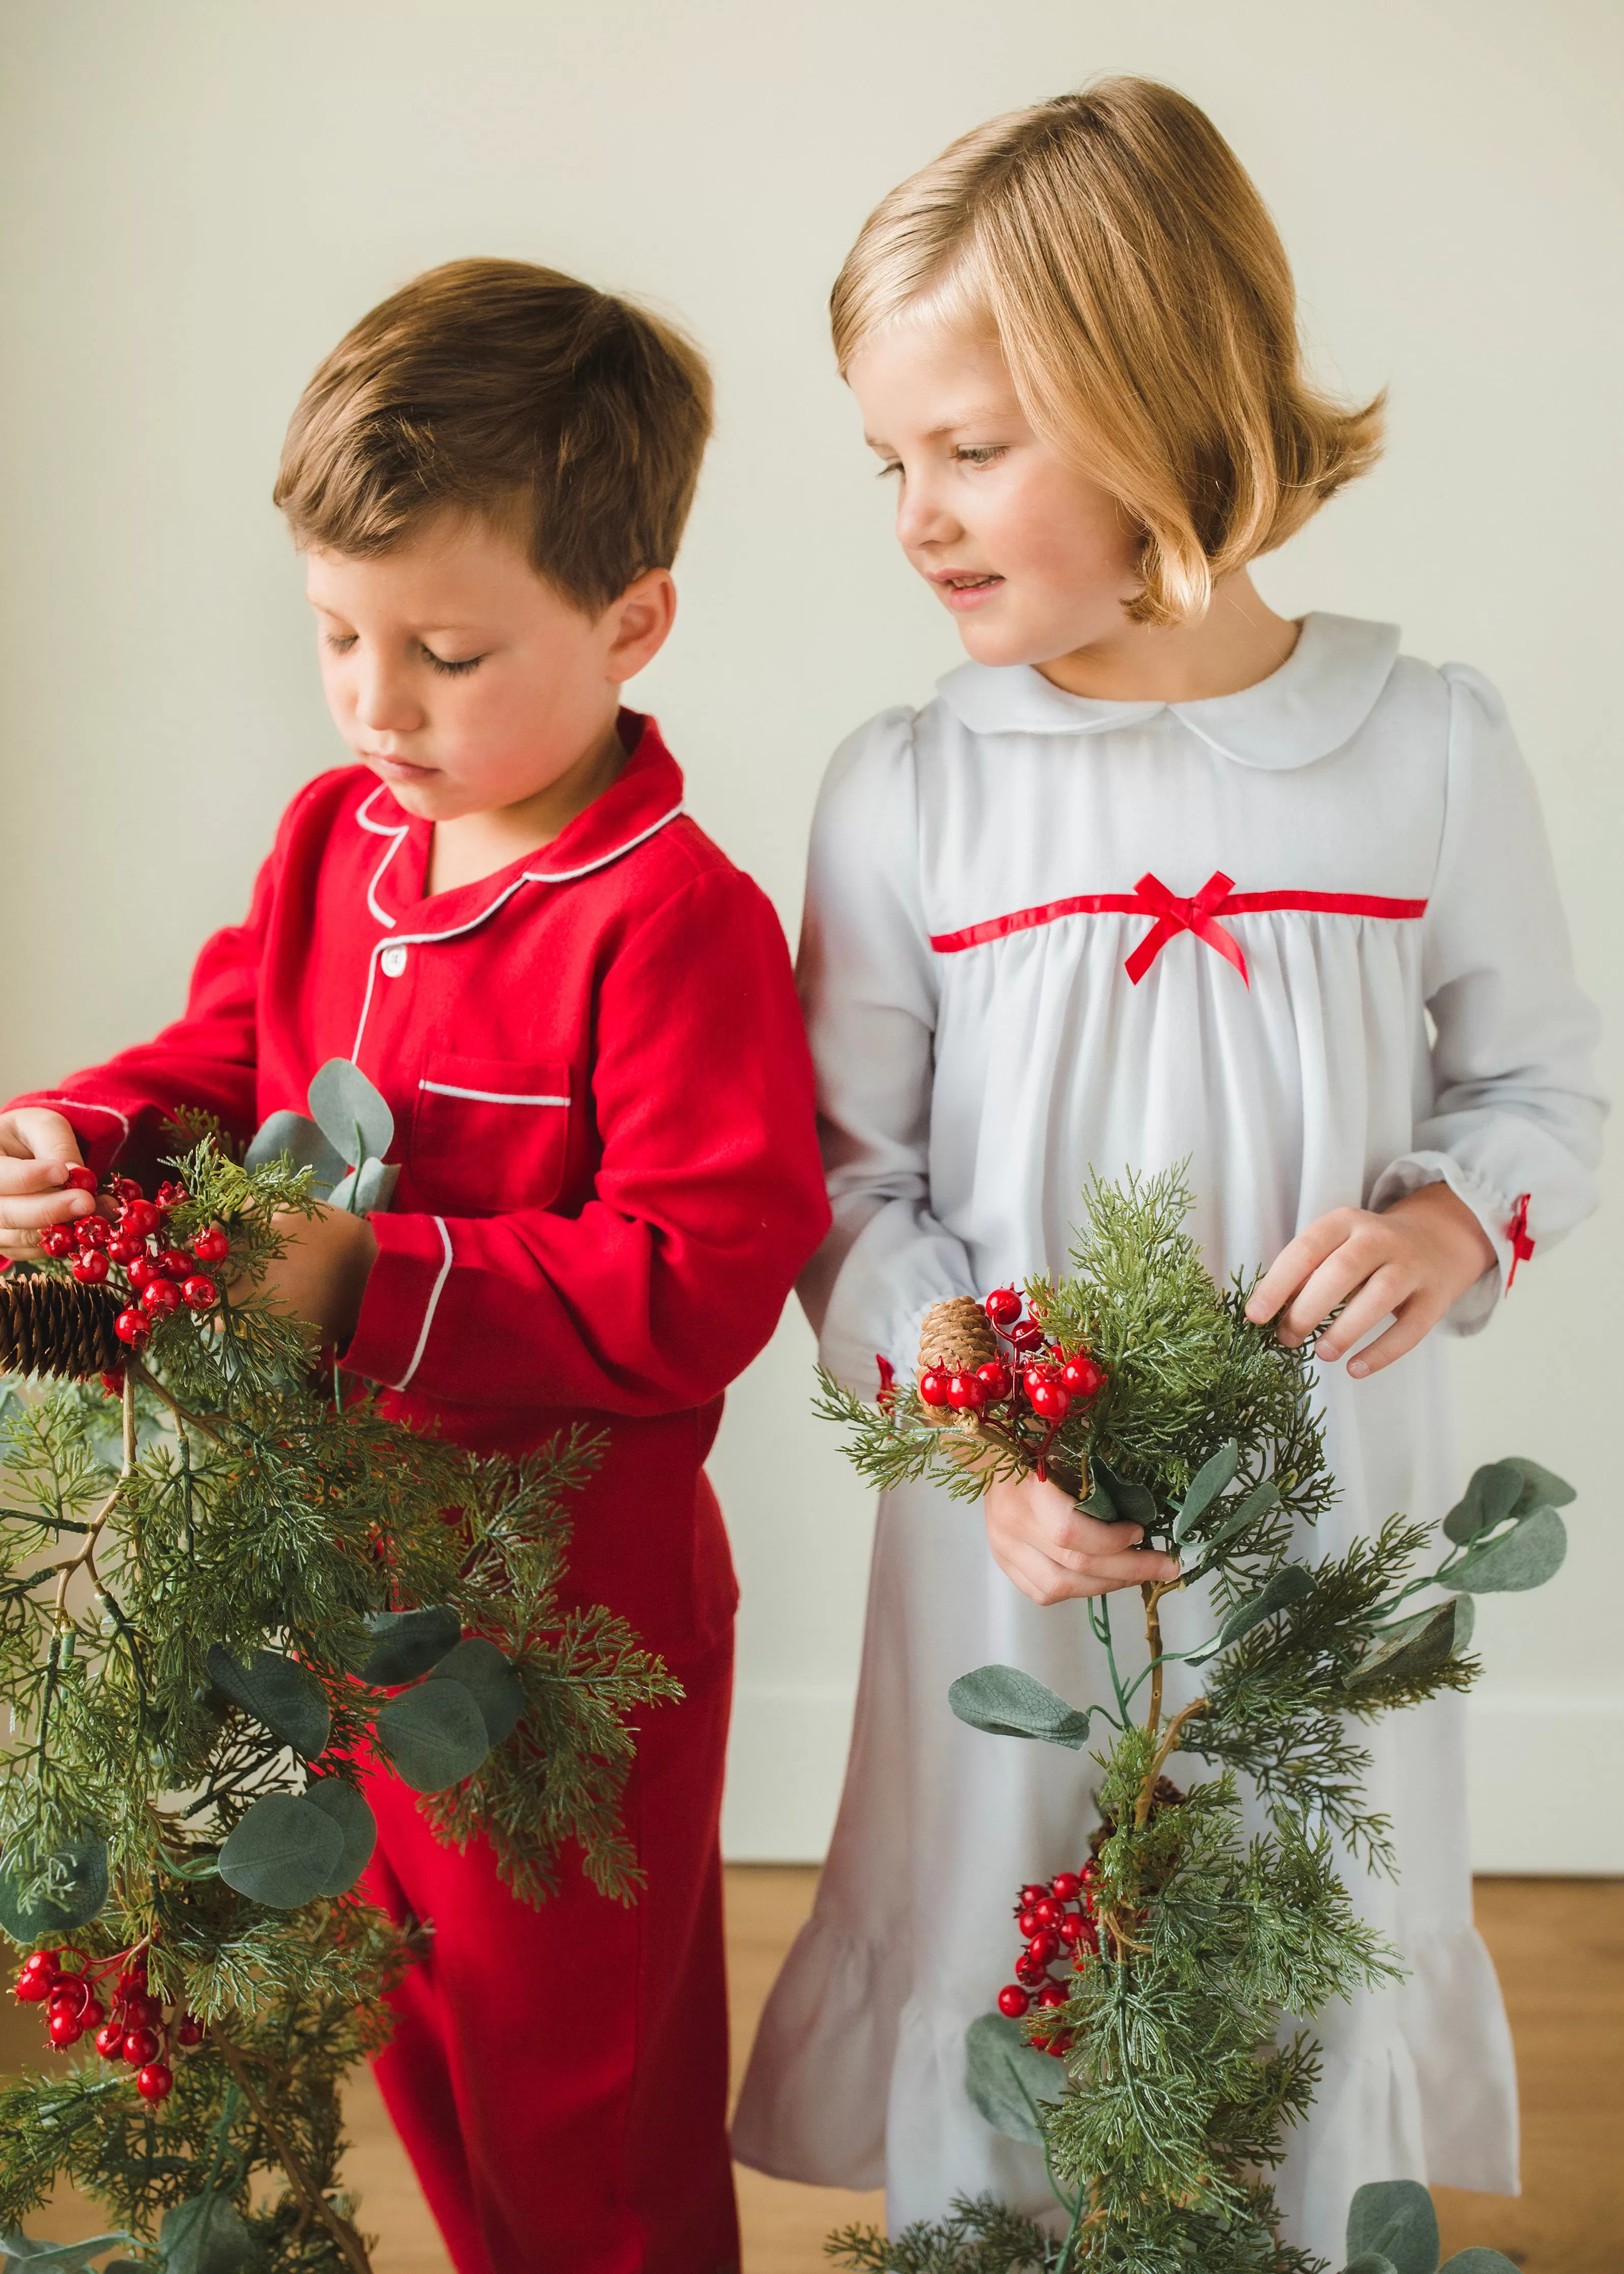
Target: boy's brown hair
497, 388
1117, 249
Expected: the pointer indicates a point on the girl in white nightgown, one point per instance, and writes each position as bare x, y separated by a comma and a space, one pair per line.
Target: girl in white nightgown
1157, 876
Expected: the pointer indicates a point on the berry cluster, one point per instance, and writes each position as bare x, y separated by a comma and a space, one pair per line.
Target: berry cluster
1037, 1374
135, 2029
1056, 1922
161, 1278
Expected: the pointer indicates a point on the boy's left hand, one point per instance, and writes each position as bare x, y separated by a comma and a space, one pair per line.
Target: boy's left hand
1413, 1260
323, 1276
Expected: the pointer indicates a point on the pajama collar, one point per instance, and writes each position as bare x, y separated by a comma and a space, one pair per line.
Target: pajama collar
1315, 703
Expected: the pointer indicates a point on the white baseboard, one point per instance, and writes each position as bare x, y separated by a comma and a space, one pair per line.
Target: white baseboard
1545, 1784
1545, 1779
785, 1762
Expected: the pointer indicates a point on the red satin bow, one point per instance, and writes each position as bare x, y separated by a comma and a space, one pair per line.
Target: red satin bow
1176, 915
1516, 1233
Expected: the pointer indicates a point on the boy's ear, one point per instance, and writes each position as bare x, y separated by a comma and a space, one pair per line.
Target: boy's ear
638, 622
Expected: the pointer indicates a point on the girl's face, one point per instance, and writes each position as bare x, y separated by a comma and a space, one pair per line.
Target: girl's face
1033, 558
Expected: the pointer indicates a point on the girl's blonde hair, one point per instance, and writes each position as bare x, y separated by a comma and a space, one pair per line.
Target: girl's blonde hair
1141, 294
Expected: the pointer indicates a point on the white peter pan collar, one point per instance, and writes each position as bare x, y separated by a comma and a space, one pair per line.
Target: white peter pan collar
1318, 700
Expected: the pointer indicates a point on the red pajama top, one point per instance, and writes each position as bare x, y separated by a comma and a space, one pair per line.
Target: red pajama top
604, 1118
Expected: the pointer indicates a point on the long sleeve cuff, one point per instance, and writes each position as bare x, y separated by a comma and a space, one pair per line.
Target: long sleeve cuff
402, 1296
1472, 1312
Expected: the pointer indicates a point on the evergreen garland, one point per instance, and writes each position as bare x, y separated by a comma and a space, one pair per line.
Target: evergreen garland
232, 1585
1170, 2104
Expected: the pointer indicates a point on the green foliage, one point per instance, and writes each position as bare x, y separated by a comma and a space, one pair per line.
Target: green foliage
211, 1586
1177, 2089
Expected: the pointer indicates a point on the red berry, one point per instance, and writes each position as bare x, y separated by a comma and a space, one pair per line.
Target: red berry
80, 1179
1072, 1929
1059, 2046
110, 2040
211, 1247
933, 1387
1065, 1886
1034, 1892
140, 2046
1029, 1924
1003, 1307
1048, 1399
1081, 1376
170, 1194
90, 1269
114, 1384
132, 1327
1049, 1912
189, 2031
33, 1989
998, 1379
141, 2011
139, 1217
161, 1295
1033, 1971
155, 2082
200, 1292
1027, 1335
65, 2027
58, 1239
1089, 1875
175, 1263
1013, 2000
124, 1189
1053, 1994
1040, 1371
92, 1231
124, 1248
141, 1269
966, 1393
1044, 1944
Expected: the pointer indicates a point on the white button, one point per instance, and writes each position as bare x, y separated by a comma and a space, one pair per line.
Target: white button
393, 962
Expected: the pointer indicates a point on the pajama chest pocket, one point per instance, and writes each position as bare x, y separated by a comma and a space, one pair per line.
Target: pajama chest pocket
490, 1135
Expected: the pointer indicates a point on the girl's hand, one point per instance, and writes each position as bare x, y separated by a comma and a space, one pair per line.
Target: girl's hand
1039, 1540
1414, 1261
37, 1148
322, 1277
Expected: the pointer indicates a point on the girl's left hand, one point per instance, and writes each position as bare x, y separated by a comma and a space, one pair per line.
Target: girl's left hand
322, 1277
1413, 1260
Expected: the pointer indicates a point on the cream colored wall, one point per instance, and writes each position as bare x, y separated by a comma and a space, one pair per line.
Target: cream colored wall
196, 198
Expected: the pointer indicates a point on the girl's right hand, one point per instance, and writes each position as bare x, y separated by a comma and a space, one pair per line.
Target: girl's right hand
1053, 1552
37, 1148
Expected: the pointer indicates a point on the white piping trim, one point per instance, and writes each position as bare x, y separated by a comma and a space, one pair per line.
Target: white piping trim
88, 1106
380, 829
488, 1096
456, 932
428, 1316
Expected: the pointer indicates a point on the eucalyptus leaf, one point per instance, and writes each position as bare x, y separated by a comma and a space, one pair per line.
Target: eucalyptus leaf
1478, 2262
436, 1735
1370, 2262
307, 1147
353, 1116
284, 1697
490, 1679
407, 1643
1004, 2075
75, 1892
357, 1827
1128, 1503
1241, 1519
1416, 1646
1213, 1477
1544, 1489
19, 2249
205, 2235
1007, 1703
1524, 1558
283, 1853
1394, 2219
1288, 1585
1488, 1499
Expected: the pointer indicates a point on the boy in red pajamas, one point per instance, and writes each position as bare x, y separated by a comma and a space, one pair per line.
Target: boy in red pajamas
582, 1017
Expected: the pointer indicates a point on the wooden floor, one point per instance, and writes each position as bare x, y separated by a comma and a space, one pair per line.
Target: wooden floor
1559, 1944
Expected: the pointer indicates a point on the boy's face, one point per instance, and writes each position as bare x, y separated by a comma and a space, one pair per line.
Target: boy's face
463, 679
1033, 558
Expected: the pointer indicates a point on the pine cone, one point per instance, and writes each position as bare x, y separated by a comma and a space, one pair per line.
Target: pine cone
958, 1336
56, 1326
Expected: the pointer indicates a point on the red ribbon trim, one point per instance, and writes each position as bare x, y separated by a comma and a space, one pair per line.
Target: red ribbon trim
1128, 904
1516, 1233
1175, 916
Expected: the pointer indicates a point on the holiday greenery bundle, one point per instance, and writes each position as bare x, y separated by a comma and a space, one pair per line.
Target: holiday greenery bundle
230, 1592
1139, 2046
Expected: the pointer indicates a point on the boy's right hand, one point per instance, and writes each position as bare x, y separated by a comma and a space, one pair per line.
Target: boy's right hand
1053, 1552
37, 1148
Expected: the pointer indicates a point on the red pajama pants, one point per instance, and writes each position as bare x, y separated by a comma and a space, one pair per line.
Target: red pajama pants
559, 2075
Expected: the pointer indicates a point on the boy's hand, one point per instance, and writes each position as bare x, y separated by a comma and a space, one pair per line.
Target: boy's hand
1414, 1261
322, 1277
37, 1148
1039, 1540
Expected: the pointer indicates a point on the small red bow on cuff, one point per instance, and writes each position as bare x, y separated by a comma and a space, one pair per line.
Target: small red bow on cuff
887, 1397
1516, 1233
